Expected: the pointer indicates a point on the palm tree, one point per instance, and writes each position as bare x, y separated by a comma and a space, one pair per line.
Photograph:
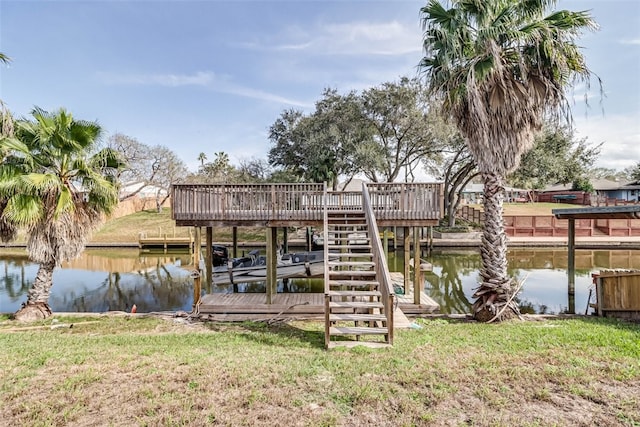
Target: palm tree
500, 67
57, 190
202, 157
7, 230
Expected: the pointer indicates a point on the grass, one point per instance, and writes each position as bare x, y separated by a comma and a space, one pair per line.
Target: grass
150, 223
145, 371
525, 209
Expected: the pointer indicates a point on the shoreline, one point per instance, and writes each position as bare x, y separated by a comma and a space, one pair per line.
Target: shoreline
590, 242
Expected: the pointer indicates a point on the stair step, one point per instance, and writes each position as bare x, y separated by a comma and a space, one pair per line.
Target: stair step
360, 233
351, 273
357, 331
355, 304
352, 264
354, 283
353, 293
357, 318
351, 255
352, 247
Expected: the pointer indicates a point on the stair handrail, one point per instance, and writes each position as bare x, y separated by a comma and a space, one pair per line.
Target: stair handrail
325, 237
325, 249
380, 261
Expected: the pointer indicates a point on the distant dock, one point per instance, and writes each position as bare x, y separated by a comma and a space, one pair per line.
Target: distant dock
165, 243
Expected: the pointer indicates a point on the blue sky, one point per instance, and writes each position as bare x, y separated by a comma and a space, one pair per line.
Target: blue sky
209, 76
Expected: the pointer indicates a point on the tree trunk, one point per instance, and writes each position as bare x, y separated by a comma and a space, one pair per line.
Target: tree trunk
496, 288
37, 305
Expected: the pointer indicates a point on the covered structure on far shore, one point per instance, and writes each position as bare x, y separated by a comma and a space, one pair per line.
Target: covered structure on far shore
595, 213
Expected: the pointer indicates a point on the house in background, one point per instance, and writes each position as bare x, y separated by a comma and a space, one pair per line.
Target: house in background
631, 192
605, 192
609, 192
473, 194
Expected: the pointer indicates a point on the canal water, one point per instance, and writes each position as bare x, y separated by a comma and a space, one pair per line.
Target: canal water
115, 279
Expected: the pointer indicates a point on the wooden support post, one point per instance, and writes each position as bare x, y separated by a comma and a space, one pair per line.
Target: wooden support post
272, 263
571, 266
407, 259
285, 240
417, 286
599, 295
385, 242
234, 236
197, 290
395, 234
197, 254
208, 261
197, 247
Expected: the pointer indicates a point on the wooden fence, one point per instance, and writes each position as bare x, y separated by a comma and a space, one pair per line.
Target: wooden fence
550, 226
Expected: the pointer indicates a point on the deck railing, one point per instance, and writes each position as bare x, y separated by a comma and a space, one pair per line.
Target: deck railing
247, 202
203, 204
379, 260
406, 201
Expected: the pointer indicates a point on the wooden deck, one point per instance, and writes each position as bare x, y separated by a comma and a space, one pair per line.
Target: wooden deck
250, 306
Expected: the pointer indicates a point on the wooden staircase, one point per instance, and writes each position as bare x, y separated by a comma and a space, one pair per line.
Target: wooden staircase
356, 312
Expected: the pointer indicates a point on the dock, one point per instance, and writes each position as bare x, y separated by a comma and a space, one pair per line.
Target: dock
166, 243
406, 302
253, 306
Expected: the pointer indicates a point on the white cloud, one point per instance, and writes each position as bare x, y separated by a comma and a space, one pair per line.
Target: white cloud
201, 78
364, 38
630, 41
354, 38
620, 135
205, 79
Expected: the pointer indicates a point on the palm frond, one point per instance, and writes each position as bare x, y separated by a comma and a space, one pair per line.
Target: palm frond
501, 66
23, 210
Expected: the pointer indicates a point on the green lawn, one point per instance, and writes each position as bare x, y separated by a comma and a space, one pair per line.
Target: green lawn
143, 371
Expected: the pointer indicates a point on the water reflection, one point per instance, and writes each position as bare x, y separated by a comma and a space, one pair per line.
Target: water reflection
455, 277
115, 279
103, 280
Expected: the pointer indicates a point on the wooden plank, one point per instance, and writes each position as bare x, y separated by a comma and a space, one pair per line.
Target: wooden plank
334, 330
349, 317
355, 304
354, 293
